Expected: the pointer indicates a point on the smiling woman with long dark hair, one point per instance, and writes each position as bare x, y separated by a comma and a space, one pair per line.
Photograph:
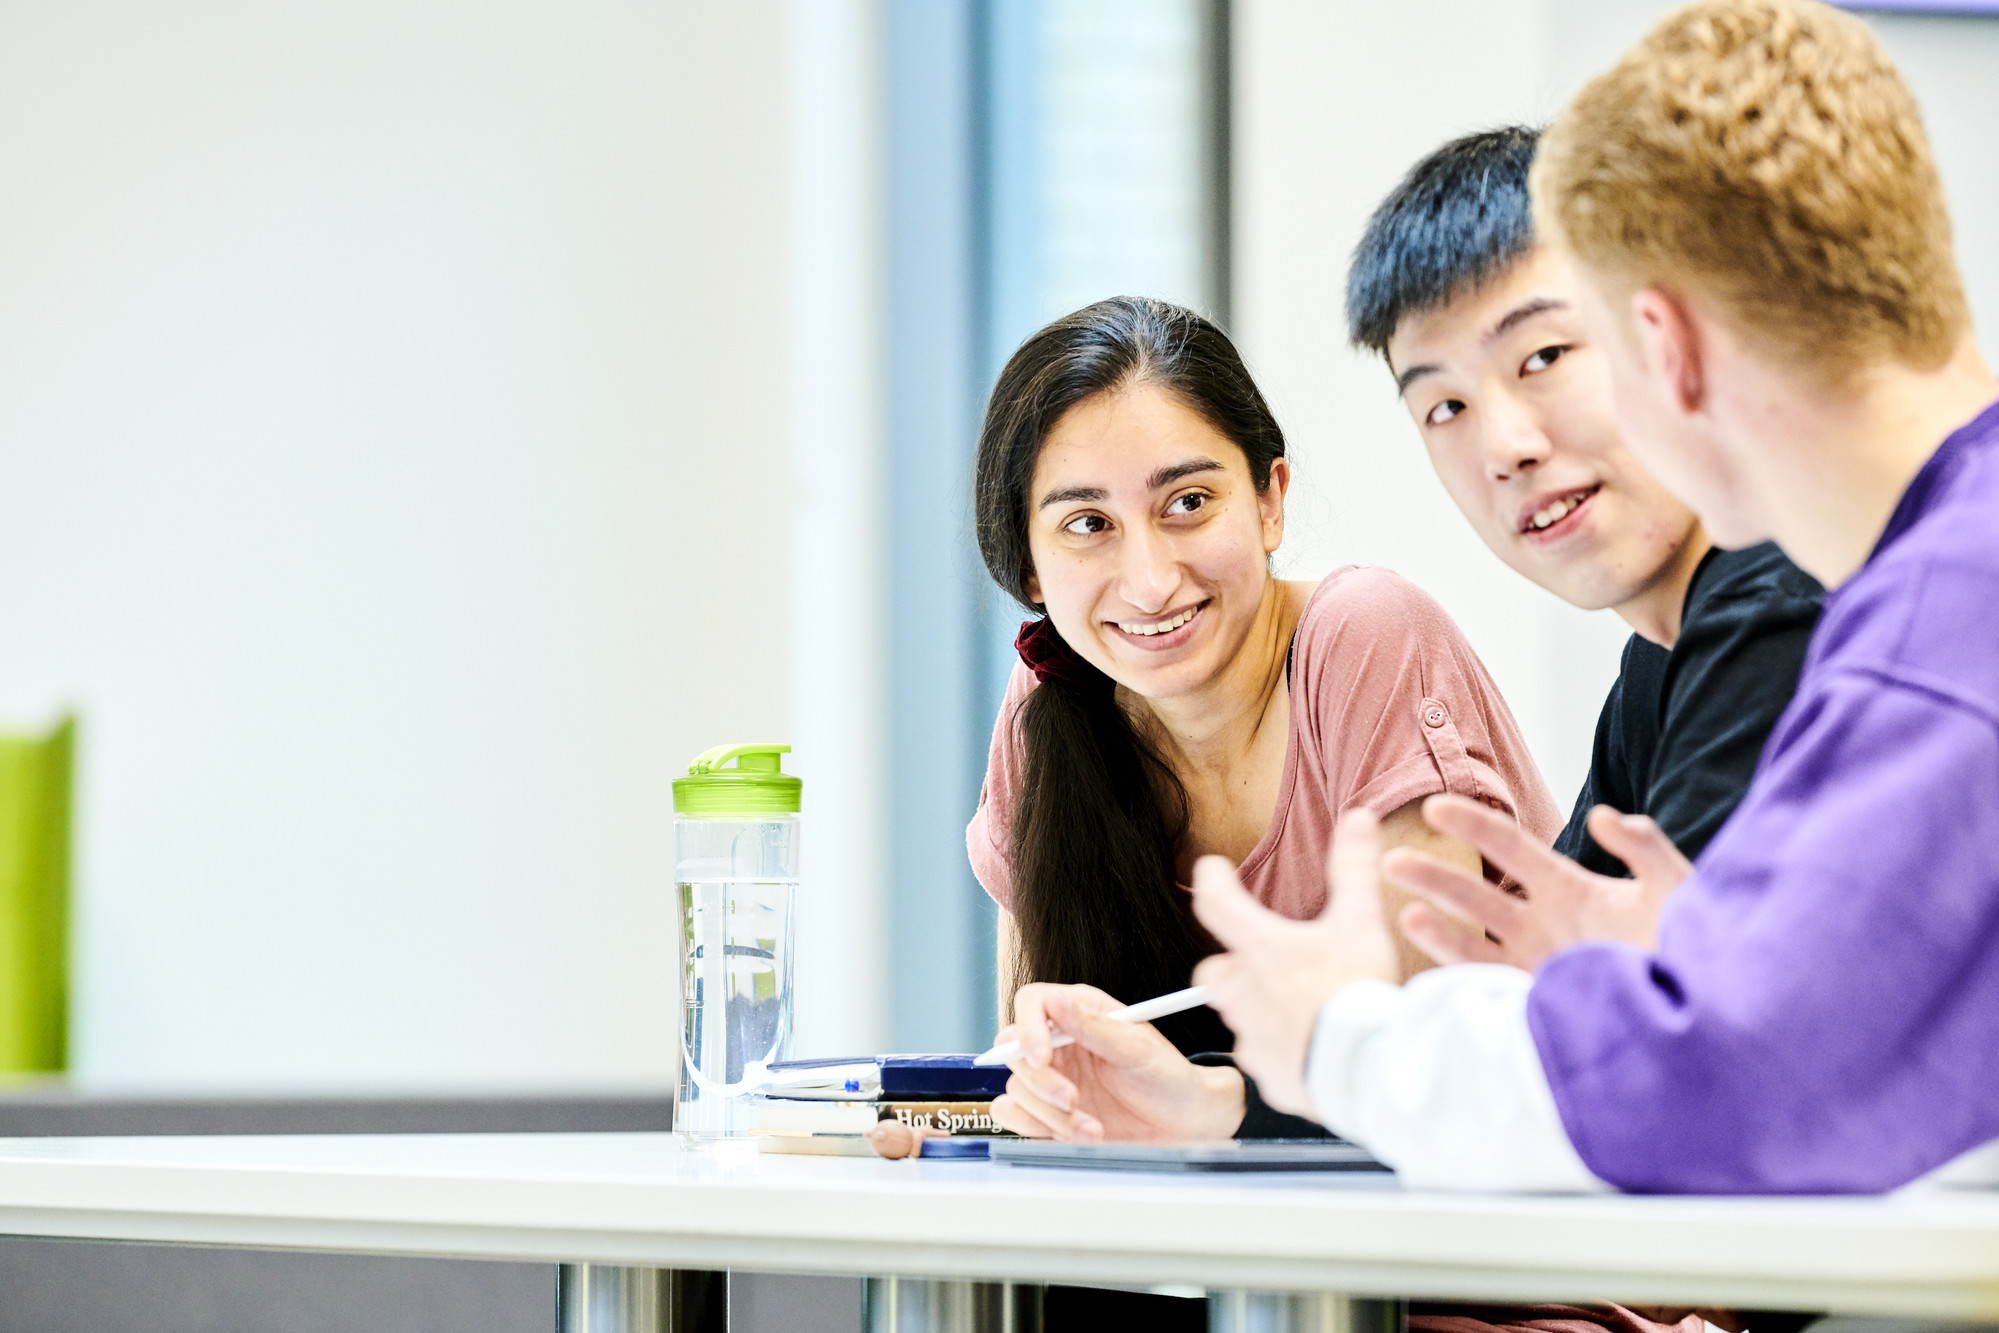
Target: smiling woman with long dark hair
1175, 698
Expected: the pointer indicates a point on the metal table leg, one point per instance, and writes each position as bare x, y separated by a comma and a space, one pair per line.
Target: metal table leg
605, 1298
1240, 1311
920, 1305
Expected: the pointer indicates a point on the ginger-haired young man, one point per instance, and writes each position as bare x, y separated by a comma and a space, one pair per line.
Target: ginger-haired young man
1765, 255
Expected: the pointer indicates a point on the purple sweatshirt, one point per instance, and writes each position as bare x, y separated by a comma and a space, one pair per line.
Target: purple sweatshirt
1822, 1014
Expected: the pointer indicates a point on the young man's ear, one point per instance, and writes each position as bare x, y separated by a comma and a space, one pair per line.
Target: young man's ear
1669, 345
1271, 503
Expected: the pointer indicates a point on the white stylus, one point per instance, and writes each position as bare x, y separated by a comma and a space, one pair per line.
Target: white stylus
1143, 1012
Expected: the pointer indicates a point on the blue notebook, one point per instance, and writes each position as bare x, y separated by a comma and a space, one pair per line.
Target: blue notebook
906, 1077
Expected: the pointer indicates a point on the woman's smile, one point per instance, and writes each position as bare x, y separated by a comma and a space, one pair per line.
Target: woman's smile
1160, 633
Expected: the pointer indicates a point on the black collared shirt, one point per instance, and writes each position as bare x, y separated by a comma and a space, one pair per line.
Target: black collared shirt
1682, 730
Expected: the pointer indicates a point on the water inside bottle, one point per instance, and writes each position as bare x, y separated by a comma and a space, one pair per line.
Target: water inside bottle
736, 978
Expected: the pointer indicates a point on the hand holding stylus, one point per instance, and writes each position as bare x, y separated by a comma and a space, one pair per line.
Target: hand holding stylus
1178, 1002
1116, 1078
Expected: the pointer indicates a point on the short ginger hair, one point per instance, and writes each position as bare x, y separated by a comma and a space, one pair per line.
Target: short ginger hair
1766, 155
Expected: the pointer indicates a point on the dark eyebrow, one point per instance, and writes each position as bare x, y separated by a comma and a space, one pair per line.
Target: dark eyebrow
1509, 321
1073, 493
1521, 313
1411, 375
1166, 476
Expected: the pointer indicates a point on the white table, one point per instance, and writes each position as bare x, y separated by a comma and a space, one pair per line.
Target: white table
641, 1203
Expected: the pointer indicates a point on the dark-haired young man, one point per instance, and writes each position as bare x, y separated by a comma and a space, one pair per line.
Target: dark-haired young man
1478, 325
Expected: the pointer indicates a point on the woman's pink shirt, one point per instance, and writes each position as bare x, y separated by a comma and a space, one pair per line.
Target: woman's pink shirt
1389, 704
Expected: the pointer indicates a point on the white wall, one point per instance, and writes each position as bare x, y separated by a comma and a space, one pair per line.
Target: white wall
838, 613
1335, 100
413, 448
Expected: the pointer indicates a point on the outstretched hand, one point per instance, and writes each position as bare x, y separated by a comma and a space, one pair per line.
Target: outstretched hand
1564, 903
1119, 1081
1277, 972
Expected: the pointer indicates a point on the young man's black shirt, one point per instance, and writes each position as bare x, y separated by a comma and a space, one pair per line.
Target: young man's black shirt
1682, 730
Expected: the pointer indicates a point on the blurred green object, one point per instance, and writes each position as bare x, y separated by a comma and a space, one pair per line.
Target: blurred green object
34, 899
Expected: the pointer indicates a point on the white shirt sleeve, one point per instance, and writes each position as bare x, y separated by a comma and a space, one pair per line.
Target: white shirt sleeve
1440, 1079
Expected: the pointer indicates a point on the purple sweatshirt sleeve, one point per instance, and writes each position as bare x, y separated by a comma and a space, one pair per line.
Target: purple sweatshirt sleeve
1822, 1014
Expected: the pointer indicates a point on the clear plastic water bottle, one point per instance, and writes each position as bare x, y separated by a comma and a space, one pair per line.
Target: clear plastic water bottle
735, 842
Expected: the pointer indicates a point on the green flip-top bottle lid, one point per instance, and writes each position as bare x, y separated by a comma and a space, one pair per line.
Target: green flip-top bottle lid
756, 785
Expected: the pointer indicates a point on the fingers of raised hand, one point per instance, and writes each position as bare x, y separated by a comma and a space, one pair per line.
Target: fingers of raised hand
1445, 938
1223, 906
1233, 993
1642, 845
1498, 838
1455, 890
1219, 974
1279, 1077
1353, 866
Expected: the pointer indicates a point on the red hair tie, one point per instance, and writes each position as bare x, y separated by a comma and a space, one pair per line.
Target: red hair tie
1049, 656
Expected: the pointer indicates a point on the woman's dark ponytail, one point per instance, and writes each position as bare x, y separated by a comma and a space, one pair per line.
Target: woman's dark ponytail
1100, 815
